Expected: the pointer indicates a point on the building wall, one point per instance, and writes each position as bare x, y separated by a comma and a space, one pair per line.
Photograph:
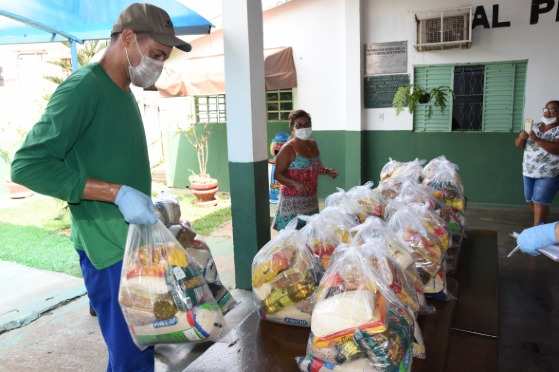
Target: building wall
489, 162
388, 20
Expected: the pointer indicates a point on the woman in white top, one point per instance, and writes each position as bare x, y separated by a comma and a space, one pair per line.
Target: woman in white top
540, 166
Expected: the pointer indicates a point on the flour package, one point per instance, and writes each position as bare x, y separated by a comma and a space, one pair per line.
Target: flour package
285, 275
358, 323
163, 294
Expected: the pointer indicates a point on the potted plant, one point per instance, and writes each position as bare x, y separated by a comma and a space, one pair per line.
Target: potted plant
202, 185
411, 95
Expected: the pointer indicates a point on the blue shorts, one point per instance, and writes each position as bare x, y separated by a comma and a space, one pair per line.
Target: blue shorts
540, 190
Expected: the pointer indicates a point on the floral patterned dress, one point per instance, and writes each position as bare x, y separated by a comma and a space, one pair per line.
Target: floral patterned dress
293, 203
537, 162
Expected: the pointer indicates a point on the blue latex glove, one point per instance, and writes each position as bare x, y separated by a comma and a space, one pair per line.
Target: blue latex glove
136, 207
534, 238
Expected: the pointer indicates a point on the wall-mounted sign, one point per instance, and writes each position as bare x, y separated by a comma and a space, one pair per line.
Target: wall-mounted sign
387, 58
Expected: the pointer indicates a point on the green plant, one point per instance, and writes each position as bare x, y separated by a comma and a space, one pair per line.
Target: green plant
198, 135
411, 95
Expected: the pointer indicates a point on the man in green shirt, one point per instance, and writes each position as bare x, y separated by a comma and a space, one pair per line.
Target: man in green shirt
89, 149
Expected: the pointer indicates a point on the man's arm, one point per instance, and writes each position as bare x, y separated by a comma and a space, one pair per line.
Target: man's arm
40, 162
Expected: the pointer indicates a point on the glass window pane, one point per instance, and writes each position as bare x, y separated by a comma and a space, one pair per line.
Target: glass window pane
284, 116
286, 96
286, 106
273, 116
272, 96
273, 106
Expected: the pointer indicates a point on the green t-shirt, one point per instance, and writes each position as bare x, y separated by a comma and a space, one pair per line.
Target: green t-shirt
90, 129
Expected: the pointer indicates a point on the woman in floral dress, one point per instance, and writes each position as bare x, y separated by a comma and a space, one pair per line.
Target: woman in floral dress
297, 169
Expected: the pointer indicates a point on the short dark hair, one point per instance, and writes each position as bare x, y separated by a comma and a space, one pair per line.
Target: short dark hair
297, 114
554, 102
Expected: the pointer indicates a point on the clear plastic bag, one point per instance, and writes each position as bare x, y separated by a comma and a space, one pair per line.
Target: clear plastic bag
200, 251
424, 232
285, 276
369, 200
163, 294
323, 232
375, 230
416, 193
443, 177
167, 208
357, 317
395, 169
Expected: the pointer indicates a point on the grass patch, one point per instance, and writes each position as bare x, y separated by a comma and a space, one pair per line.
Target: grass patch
38, 247
207, 224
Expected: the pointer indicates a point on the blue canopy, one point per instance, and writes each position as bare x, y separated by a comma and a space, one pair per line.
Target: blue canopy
41, 21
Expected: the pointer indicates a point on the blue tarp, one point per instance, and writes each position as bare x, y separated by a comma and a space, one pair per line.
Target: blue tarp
39, 21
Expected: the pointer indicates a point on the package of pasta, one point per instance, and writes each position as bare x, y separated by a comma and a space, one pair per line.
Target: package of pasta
323, 232
424, 232
285, 275
357, 322
163, 294
200, 251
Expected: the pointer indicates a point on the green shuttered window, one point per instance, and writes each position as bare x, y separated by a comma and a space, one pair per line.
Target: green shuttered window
503, 97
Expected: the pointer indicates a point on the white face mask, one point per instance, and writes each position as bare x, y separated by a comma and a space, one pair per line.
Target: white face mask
548, 121
145, 73
303, 133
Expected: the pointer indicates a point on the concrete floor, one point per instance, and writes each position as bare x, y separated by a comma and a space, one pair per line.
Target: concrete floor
528, 296
67, 338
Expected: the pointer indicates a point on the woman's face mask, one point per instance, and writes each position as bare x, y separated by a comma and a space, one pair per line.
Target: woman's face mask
303, 133
145, 73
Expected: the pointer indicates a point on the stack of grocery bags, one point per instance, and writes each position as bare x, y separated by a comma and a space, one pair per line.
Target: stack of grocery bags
359, 272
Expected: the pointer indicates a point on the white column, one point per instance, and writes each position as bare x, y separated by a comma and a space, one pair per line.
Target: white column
244, 80
354, 65
246, 132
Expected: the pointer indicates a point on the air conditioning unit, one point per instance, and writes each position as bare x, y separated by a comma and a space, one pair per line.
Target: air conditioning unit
444, 29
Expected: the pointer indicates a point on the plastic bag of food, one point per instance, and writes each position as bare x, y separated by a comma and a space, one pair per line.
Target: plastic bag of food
395, 169
167, 208
443, 177
416, 193
285, 276
370, 201
424, 232
200, 251
405, 285
163, 294
375, 230
356, 318
382, 263
326, 230
341, 200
